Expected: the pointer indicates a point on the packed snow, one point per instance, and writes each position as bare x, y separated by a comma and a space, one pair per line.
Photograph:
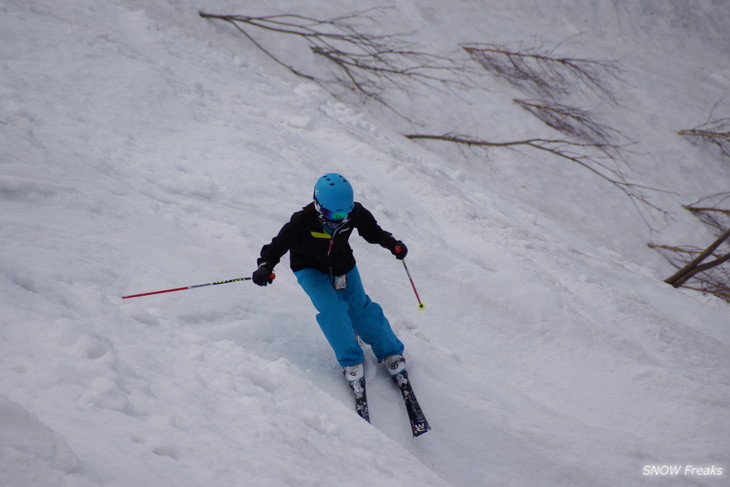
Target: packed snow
145, 148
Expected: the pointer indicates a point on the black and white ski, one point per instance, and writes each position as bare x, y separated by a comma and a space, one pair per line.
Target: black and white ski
361, 398
419, 423
396, 366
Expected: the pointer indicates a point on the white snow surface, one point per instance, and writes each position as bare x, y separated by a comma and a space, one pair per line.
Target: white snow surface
145, 148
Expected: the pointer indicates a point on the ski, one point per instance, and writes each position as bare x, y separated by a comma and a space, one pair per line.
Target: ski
361, 398
419, 423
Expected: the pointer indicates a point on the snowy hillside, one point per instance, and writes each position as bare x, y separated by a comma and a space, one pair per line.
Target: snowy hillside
145, 148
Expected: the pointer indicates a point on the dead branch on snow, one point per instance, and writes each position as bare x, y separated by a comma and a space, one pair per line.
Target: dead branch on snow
367, 62
715, 132
603, 160
544, 74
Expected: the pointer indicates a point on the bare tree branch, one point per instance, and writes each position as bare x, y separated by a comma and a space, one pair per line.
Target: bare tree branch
571, 121
715, 132
544, 74
710, 277
708, 210
232, 20
368, 63
579, 153
695, 266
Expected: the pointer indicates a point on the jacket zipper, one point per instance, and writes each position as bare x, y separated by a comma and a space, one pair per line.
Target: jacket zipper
329, 250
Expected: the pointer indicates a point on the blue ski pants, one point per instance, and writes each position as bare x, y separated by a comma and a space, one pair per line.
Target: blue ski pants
347, 313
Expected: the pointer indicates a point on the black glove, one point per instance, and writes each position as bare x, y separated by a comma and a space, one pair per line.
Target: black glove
399, 250
263, 275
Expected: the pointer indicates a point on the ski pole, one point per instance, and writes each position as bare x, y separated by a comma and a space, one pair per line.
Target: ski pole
421, 304
272, 276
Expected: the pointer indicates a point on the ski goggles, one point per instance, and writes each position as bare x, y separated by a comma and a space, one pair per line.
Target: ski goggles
332, 216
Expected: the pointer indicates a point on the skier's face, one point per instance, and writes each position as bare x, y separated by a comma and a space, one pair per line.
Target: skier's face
331, 219
333, 224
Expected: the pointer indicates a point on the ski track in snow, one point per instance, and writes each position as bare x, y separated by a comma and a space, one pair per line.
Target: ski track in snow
146, 149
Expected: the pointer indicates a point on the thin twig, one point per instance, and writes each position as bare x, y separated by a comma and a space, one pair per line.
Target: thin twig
368, 62
546, 75
578, 153
715, 132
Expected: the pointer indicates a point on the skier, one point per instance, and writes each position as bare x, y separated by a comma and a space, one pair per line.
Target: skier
316, 238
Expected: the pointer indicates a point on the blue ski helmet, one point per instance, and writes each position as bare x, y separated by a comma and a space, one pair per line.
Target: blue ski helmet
333, 197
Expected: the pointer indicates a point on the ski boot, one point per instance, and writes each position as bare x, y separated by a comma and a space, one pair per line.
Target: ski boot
396, 364
355, 375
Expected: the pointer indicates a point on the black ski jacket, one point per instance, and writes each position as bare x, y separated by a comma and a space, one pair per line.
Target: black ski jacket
310, 246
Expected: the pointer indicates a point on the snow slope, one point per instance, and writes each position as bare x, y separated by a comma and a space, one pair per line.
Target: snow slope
145, 148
